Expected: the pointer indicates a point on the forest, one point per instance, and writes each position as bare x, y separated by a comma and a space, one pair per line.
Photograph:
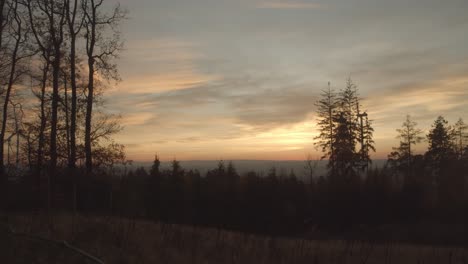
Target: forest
58, 155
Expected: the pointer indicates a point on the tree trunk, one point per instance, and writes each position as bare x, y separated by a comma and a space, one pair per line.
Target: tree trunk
67, 118
91, 42
89, 110
55, 99
2, 136
72, 160
2, 18
11, 80
40, 148
73, 34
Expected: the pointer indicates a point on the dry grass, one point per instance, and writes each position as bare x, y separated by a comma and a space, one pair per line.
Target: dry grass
118, 240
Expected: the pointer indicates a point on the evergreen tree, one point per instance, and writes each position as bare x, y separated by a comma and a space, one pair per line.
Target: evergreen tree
337, 112
343, 160
177, 170
440, 139
368, 141
155, 168
409, 135
442, 159
460, 136
349, 105
326, 111
358, 123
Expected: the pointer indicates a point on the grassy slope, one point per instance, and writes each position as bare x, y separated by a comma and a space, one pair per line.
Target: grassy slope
117, 240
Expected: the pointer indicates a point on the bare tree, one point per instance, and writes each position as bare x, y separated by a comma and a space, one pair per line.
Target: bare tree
43, 115
52, 14
75, 23
2, 19
100, 52
16, 33
310, 167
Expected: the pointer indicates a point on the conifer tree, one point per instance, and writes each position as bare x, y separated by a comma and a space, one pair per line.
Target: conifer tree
409, 135
358, 123
155, 168
367, 140
337, 112
349, 104
440, 139
326, 111
460, 136
342, 162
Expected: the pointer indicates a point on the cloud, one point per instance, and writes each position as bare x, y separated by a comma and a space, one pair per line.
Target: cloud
229, 114
162, 64
238, 79
246, 101
137, 119
169, 81
288, 5
272, 108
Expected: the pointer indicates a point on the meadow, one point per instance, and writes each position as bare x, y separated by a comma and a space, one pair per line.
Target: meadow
38, 238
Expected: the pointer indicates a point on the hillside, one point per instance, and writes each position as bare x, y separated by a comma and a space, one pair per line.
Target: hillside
118, 240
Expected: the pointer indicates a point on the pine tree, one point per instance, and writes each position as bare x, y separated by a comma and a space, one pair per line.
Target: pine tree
349, 104
343, 160
337, 112
409, 135
440, 139
460, 136
326, 111
155, 168
367, 140
359, 125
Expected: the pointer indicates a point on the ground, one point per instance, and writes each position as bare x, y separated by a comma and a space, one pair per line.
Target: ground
37, 238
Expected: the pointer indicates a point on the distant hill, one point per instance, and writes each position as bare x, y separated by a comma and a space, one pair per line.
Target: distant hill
261, 166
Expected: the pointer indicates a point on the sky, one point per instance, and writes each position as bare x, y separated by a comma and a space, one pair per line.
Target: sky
238, 79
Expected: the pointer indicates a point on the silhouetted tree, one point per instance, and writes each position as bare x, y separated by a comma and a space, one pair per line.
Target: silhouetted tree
15, 30
310, 167
75, 20
348, 102
440, 140
359, 124
441, 157
409, 135
100, 51
460, 136
345, 108
3, 4
50, 31
155, 171
367, 141
326, 111
342, 162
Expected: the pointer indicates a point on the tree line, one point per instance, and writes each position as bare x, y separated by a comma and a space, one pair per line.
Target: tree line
410, 189
57, 57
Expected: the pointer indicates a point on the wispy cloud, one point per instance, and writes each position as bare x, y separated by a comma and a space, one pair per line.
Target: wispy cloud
289, 5
160, 82
162, 64
238, 79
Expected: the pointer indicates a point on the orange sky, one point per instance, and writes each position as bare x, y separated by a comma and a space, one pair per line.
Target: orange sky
238, 79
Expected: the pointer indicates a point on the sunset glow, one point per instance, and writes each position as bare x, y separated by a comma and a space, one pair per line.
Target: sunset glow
239, 79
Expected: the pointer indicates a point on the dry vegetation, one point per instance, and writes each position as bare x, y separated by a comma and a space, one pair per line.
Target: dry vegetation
118, 240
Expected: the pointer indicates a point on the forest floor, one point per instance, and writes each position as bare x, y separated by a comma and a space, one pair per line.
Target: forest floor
39, 238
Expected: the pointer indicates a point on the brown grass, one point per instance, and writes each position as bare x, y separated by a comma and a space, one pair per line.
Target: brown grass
119, 240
